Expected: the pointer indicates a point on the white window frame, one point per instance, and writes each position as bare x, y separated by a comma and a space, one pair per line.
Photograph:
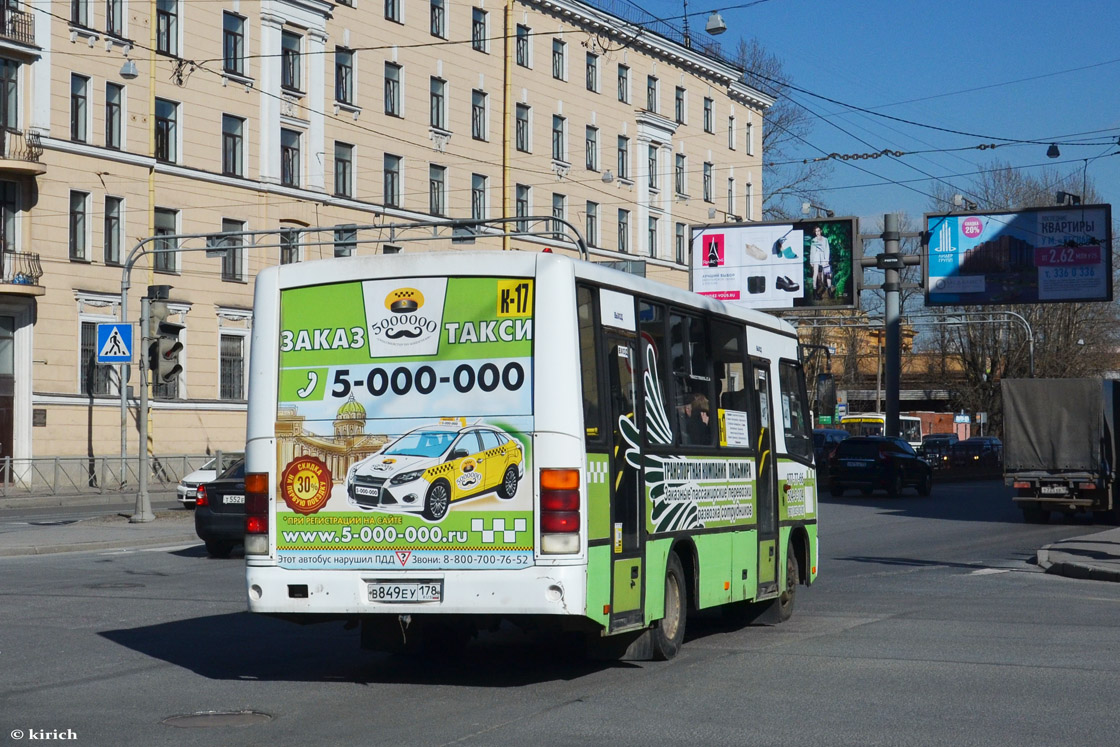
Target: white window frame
87, 228
227, 317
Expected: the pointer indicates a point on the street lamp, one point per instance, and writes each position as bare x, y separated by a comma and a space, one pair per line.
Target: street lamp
807, 207
1067, 198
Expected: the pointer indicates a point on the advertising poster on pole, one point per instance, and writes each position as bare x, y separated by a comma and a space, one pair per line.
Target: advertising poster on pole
774, 266
1041, 255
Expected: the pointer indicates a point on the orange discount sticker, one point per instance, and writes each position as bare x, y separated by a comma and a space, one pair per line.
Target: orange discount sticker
306, 484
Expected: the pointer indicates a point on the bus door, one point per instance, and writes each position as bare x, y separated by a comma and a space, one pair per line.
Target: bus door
626, 486
766, 504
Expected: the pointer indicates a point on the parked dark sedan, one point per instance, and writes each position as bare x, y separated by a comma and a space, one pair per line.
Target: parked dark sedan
824, 441
878, 462
219, 514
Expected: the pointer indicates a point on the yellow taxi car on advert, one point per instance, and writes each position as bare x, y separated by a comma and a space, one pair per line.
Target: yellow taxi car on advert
427, 469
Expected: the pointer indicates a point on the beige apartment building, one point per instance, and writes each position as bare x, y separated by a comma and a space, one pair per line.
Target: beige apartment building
125, 119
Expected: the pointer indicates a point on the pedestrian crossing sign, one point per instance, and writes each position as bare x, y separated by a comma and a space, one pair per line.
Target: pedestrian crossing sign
114, 342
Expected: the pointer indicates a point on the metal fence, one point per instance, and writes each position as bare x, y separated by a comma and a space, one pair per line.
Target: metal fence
94, 475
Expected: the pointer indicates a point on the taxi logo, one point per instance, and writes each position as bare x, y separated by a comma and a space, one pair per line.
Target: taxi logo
405, 323
469, 476
404, 317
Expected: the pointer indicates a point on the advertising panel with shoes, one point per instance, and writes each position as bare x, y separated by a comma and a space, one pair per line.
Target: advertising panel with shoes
776, 265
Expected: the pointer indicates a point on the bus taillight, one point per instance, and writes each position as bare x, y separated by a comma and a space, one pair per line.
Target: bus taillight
559, 513
256, 513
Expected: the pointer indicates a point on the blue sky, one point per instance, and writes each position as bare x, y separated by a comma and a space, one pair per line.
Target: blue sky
1013, 69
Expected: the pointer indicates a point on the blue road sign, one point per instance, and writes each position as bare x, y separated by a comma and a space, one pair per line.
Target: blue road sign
114, 342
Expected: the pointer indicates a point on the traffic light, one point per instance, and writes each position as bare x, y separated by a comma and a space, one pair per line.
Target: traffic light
165, 347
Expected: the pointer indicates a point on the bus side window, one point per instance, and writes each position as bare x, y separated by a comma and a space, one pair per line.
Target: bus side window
795, 416
692, 380
589, 365
731, 381
651, 320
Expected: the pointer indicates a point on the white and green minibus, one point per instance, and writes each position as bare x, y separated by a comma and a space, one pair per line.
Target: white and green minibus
441, 441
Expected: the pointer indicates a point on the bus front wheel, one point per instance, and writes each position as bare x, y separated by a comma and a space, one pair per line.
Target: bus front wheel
789, 593
668, 632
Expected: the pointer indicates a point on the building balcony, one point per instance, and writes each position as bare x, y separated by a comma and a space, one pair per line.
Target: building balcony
20, 273
17, 25
21, 152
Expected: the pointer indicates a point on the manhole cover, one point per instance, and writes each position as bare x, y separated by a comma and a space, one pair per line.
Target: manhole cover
207, 719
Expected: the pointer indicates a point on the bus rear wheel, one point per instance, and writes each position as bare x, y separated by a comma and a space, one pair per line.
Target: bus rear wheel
668, 632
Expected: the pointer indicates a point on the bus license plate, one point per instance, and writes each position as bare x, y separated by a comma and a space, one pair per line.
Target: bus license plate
401, 591
1054, 490
231, 499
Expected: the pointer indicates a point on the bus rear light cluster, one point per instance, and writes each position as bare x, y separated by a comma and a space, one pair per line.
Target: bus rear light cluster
559, 511
256, 513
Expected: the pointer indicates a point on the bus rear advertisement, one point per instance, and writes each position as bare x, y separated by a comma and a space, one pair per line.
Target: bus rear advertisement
436, 442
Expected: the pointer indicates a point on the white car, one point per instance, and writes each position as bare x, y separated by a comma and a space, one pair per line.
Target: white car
187, 489
427, 469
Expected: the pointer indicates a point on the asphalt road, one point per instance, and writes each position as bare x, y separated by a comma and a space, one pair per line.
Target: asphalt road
928, 626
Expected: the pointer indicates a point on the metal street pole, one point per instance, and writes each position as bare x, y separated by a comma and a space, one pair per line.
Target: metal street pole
143, 511
891, 321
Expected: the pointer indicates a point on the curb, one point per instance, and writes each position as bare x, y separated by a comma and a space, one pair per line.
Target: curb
11, 552
1068, 569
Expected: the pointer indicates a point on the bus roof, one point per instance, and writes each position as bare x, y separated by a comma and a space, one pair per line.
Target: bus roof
513, 264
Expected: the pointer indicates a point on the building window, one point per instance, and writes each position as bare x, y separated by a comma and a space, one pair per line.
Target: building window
679, 174
438, 18
437, 190
478, 197
393, 10
750, 139
166, 224
233, 43
290, 78
95, 378
651, 165
654, 226
559, 212
345, 241
231, 366
559, 59
651, 93
233, 150
393, 89
731, 196
679, 105
79, 225
592, 79
559, 138
521, 46
343, 75
9, 93
392, 181
478, 115
624, 84
731, 132
707, 182
479, 41
624, 231
289, 158
79, 12
290, 248
438, 103
679, 244
114, 18
521, 128
9, 214
233, 260
167, 26
79, 111
709, 117
591, 148
623, 157
113, 211
167, 116
749, 212
591, 224
521, 206
114, 103
343, 169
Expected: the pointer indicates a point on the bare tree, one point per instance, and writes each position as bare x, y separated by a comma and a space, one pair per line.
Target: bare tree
787, 181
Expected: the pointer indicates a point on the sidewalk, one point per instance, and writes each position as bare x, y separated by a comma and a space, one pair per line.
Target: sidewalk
39, 525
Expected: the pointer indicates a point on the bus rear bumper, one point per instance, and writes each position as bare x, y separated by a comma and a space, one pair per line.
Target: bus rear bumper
537, 590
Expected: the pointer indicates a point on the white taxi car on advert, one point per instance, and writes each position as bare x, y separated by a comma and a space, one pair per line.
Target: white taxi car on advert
427, 469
